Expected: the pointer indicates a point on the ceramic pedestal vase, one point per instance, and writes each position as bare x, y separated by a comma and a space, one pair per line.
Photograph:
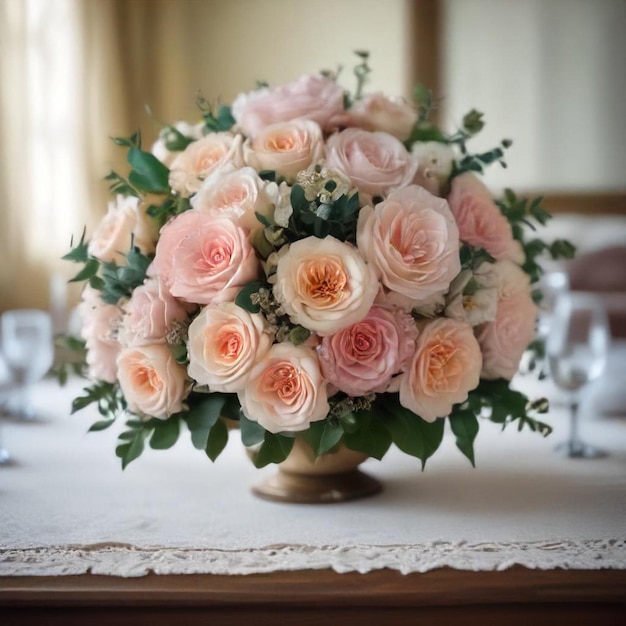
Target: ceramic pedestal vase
332, 477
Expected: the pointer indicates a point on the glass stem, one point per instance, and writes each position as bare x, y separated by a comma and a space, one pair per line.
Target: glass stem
573, 424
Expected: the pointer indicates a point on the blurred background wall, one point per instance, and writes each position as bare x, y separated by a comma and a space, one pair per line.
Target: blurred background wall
547, 73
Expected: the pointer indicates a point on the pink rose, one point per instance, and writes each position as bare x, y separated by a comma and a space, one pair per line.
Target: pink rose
286, 390
152, 382
378, 112
480, 221
204, 259
124, 222
315, 98
504, 340
376, 163
151, 314
412, 241
445, 368
363, 358
324, 284
238, 194
200, 158
224, 343
100, 325
286, 147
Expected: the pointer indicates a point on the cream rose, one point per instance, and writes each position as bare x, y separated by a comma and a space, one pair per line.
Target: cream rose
378, 112
100, 330
286, 147
286, 390
412, 241
203, 259
473, 296
324, 284
315, 98
152, 382
124, 222
435, 164
376, 163
201, 157
445, 368
224, 343
236, 193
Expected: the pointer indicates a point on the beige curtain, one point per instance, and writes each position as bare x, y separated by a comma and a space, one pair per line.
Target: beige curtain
72, 73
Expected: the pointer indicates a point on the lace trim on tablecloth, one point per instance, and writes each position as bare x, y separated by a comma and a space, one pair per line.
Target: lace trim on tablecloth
128, 561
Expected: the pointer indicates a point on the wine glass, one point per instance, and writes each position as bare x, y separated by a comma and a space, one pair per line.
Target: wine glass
552, 284
577, 348
28, 350
5, 387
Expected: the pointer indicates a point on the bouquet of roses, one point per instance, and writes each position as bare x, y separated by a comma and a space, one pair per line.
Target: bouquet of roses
312, 264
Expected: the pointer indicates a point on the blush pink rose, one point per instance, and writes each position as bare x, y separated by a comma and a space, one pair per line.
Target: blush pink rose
100, 327
445, 368
412, 241
480, 221
204, 259
151, 314
504, 340
286, 390
376, 163
200, 158
378, 112
125, 221
237, 193
152, 382
363, 358
324, 284
285, 147
315, 98
225, 341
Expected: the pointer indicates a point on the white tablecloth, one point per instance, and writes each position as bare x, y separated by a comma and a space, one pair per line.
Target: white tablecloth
66, 507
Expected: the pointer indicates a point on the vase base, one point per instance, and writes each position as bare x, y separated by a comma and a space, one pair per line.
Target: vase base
317, 489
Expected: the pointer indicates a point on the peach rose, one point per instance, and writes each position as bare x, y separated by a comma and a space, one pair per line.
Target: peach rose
480, 221
151, 314
201, 157
376, 163
504, 340
204, 259
378, 112
445, 368
412, 241
238, 194
435, 164
286, 390
285, 147
100, 326
125, 221
224, 343
159, 147
363, 358
152, 382
315, 98
324, 284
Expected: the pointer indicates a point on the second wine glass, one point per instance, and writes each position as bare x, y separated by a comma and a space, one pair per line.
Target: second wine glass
577, 348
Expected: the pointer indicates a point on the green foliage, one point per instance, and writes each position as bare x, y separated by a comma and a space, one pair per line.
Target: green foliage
169, 208
119, 281
244, 298
472, 258
165, 433
107, 396
362, 72
174, 140
148, 173
216, 118
73, 355
369, 434
275, 448
120, 185
464, 424
323, 436
252, 433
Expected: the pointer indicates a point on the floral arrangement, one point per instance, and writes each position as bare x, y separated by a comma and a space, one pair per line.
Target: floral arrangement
310, 263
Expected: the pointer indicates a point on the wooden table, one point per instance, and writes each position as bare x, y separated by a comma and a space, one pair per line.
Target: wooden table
444, 596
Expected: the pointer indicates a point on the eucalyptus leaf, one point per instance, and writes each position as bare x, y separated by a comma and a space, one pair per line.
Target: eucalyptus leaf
218, 438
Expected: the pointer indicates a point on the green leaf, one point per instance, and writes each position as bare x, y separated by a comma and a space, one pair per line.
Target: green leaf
101, 425
148, 173
131, 450
218, 438
89, 270
298, 199
225, 119
274, 449
322, 436
464, 425
252, 433
370, 435
243, 298
165, 433
202, 417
